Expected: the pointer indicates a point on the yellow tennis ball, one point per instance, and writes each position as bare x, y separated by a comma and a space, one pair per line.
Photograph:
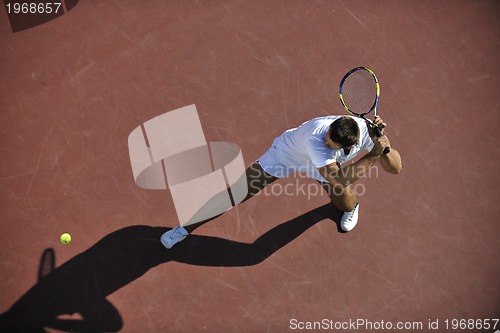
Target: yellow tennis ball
65, 238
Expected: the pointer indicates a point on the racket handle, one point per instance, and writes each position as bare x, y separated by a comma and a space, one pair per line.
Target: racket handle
379, 133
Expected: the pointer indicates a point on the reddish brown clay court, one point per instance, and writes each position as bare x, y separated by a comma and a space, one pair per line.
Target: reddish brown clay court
424, 256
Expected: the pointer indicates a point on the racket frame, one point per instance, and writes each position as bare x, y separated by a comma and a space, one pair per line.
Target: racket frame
373, 108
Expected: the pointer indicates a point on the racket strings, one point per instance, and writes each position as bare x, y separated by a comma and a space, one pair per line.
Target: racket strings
359, 92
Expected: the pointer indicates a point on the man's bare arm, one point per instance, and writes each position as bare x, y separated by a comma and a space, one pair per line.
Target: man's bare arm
391, 162
338, 176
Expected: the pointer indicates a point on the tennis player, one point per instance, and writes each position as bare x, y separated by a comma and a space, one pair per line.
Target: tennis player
320, 149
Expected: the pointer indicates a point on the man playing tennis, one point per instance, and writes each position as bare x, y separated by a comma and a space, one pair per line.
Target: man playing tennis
319, 148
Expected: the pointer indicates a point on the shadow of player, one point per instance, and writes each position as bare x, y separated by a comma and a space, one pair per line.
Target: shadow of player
82, 284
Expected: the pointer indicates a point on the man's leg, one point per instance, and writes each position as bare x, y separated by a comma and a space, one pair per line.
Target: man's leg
345, 199
257, 179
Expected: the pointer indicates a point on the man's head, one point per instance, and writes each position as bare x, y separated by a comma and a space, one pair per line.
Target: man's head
343, 133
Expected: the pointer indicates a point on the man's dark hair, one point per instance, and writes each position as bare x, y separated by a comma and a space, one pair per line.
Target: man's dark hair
344, 131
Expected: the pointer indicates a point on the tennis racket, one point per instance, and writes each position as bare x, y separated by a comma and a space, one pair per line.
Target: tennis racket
359, 94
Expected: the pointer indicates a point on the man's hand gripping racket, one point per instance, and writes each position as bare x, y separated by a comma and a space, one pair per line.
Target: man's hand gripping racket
359, 94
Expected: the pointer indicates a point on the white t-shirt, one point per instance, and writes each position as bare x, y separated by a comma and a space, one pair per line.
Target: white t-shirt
303, 148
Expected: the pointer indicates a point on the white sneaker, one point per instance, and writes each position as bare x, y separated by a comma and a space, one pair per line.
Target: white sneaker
350, 219
173, 236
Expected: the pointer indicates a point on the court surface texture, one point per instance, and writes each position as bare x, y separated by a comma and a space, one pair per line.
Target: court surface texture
72, 89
